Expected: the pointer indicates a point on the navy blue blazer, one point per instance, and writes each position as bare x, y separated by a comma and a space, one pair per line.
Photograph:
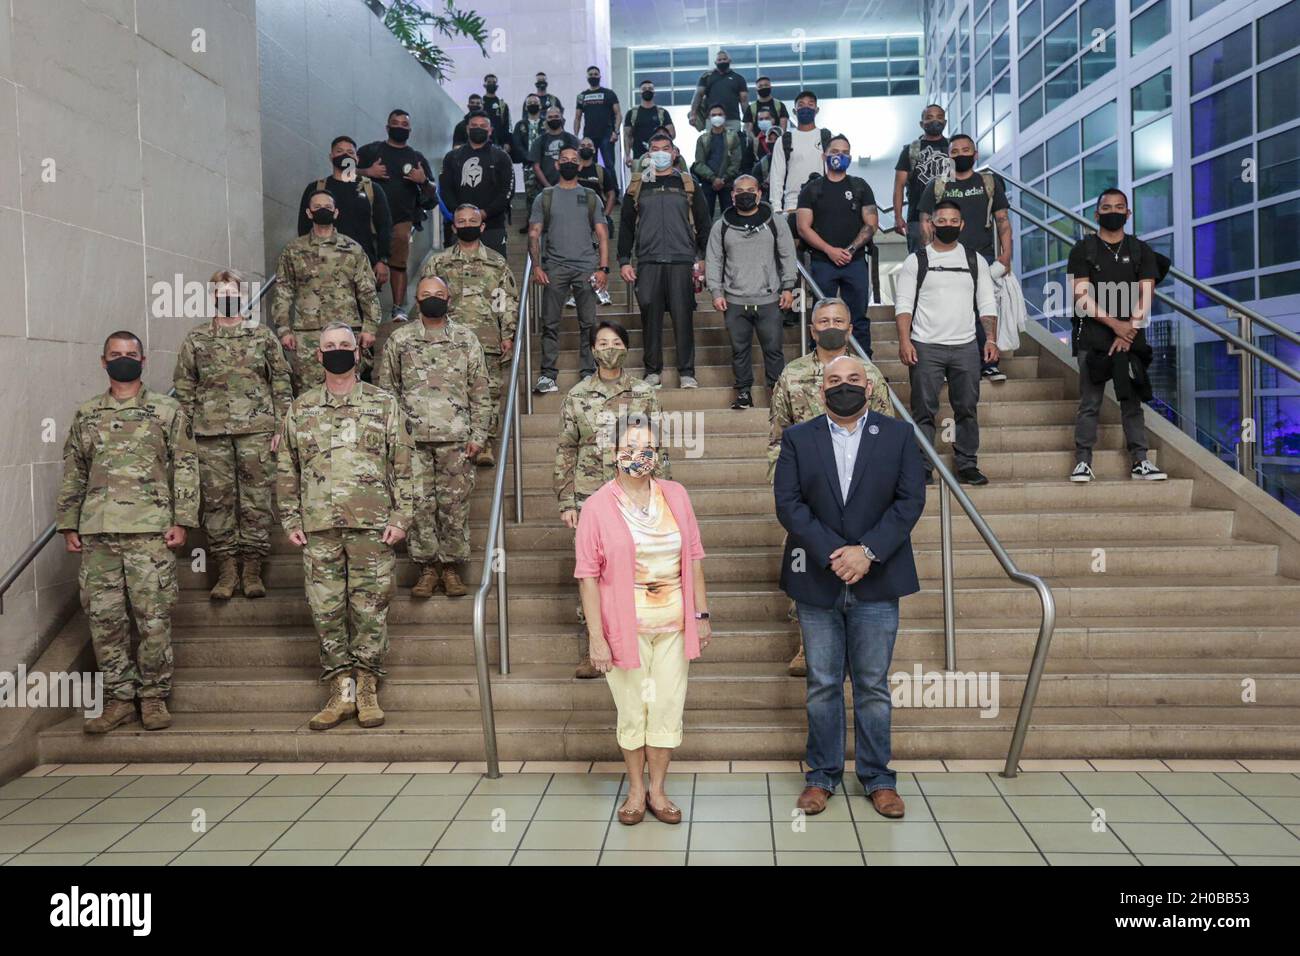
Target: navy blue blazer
886, 498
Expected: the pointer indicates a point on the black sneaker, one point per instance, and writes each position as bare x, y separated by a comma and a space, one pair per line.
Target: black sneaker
743, 399
993, 374
971, 476
1145, 471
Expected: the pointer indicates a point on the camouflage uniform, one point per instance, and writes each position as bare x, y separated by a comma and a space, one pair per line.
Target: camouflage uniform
438, 374
233, 383
325, 280
484, 298
797, 397
130, 472
344, 474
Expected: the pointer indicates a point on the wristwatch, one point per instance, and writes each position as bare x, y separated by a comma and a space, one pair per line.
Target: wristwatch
604, 269
701, 615
867, 552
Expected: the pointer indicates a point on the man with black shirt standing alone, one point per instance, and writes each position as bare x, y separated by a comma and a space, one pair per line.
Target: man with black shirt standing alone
362, 209
498, 111
723, 87
598, 110
641, 122
479, 174
837, 218
1113, 277
407, 181
920, 161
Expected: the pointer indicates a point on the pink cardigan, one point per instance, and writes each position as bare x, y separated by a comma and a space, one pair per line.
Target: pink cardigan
605, 551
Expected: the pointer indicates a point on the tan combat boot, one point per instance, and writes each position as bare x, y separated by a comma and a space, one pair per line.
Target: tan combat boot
251, 579
154, 714
427, 585
368, 711
485, 458
451, 581
340, 706
116, 712
227, 580
799, 665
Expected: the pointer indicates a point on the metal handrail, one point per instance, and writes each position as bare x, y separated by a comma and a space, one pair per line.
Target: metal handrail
52, 529
948, 485
494, 554
1225, 300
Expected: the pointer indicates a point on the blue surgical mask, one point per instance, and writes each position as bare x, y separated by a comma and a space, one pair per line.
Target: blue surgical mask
661, 159
764, 125
805, 115
838, 162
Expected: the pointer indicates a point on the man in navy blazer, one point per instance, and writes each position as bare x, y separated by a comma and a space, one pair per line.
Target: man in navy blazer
849, 486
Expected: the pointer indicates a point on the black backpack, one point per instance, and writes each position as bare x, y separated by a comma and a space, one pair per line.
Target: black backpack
787, 147
923, 267
770, 225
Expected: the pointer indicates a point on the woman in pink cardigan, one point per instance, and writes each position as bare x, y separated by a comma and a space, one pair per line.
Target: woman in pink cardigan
642, 587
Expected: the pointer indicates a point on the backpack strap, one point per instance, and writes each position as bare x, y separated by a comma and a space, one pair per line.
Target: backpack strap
546, 208
922, 267
722, 237
940, 184
973, 266
913, 154
990, 187
367, 187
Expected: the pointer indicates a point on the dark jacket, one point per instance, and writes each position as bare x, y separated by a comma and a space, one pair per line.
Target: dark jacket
886, 498
656, 224
484, 177
369, 224
1128, 370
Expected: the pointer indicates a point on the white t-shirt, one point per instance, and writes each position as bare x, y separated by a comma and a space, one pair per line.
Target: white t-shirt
805, 159
944, 313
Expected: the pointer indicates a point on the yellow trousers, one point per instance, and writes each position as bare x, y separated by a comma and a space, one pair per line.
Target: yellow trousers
650, 698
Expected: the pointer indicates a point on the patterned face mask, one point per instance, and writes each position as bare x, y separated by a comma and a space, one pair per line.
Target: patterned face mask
637, 464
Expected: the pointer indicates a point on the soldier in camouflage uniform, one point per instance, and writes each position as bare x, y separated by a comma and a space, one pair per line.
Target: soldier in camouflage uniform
797, 397
484, 298
346, 498
436, 369
594, 413
326, 277
232, 381
130, 489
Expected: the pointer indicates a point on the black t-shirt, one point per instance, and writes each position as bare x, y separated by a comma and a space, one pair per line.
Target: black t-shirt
723, 89
597, 111
969, 194
372, 228
932, 161
546, 150
642, 121
837, 211
597, 179
402, 194
499, 115
772, 103
1117, 269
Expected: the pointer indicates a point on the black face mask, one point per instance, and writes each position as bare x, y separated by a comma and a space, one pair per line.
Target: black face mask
433, 307
764, 92
338, 361
647, 95
534, 108
342, 160
555, 123
963, 164
593, 81
324, 216
934, 127
468, 233
1112, 220
398, 134
541, 86
490, 87
746, 201
568, 170
125, 369
587, 153
723, 67
228, 305
832, 340
947, 234
477, 136
845, 399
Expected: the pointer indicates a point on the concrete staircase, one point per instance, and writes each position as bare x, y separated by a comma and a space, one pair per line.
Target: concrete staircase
1149, 656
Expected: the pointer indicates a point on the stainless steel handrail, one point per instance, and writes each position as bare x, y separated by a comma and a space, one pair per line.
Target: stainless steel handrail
52, 529
948, 484
494, 554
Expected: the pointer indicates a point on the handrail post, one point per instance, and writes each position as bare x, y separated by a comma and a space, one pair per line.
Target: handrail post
485, 691
503, 610
949, 597
526, 327
1246, 449
1035, 676
518, 450
803, 316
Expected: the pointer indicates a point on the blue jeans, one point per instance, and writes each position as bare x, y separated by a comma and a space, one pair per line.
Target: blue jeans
859, 635
852, 283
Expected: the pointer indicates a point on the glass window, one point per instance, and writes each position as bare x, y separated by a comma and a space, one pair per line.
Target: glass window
1221, 59
692, 56
1099, 125
1278, 226
1029, 23
1061, 44
1033, 250
1031, 109
984, 114
871, 70
1153, 205
1004, 132
1063, 147
1031, 164
651, 59
1279, 93
1061, 87
896, 88
1225, 245
1280, 283
1001, 53
1153, 147
896, 68
1152, 97
1222, 117
821, 50
1095, 15
1279, 164
1100, 170
983, 36
1031, 67
1063, 186
1000, 15
1218, 184
1097, 63
742, 55
1203, 6
905, 46
1243, 290
660, 78
1149, 27
984, 71
823, 71
1002, 96
873, 46
985, 144
1053, 9
1278, 31
864, 88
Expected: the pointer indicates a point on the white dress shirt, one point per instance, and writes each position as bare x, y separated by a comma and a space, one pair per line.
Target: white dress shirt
845, 442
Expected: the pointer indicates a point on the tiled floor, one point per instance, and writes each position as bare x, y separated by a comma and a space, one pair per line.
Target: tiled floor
1058, 813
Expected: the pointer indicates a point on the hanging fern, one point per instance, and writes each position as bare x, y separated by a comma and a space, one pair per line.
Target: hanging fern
406, 20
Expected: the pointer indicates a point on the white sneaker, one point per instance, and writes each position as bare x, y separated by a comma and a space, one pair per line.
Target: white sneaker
1082, 472
603, 297
652, 380
545, 384
570, 303
399, 314
688, 381
1145, 471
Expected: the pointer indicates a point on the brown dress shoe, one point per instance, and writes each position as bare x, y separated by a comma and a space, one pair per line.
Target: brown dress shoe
798, 665
628, 817
669, 813
813, 800
485, 459
887, 803
452, 582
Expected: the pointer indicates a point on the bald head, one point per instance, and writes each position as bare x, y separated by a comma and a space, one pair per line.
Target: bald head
844, 368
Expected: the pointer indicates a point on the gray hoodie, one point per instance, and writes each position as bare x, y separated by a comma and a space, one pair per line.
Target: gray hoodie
754, 246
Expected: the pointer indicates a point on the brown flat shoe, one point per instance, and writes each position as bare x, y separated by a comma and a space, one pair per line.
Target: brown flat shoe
669, 814
813, 800
630, 818
887, 803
